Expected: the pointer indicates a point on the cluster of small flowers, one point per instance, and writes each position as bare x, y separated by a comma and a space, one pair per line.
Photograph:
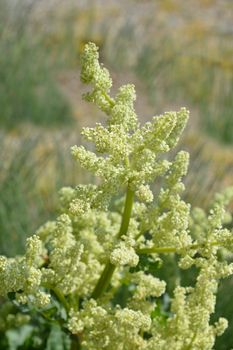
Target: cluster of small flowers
86, 255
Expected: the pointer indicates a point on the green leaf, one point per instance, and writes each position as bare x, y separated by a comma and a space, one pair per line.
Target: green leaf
147, 264
17, 337
57, 339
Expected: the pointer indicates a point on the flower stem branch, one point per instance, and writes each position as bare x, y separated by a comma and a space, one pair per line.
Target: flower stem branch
60, 296
108, 98
176, 249
109, 269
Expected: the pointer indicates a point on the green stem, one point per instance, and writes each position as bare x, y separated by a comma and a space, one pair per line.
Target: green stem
75, 342
174, 249
126, 213
61, 298
157, 250
108, 98
109, 269
103, 280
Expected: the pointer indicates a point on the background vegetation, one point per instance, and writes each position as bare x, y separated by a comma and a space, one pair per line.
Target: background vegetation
177, 53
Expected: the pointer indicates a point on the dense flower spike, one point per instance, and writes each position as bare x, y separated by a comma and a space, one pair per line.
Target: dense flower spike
93, 252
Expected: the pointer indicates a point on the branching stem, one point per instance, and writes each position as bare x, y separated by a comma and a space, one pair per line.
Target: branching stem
109, 269
108, 98
176, 249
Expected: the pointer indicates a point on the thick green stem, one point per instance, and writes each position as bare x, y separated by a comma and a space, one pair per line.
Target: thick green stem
60, 296
127, 213
75, 343
109, 269
104, 280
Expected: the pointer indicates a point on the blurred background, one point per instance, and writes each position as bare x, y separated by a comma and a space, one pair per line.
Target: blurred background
177, 53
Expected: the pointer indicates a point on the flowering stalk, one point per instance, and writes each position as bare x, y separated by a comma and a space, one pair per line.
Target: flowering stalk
84, 245
109, 269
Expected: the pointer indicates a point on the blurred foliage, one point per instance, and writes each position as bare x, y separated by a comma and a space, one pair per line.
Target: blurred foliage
224, 308
28, 88
21, 207
182, 59
39, 331
198, 80
31, 173
210, 168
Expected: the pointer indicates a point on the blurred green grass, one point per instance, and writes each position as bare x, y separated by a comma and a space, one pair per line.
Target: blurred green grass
32, 171
197, 80
19, 216
28, 86
182, 58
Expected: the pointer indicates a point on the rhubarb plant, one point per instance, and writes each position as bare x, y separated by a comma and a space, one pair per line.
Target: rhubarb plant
92, 272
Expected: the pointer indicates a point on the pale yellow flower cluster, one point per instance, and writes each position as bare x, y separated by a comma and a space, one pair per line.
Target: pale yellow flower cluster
93, 251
